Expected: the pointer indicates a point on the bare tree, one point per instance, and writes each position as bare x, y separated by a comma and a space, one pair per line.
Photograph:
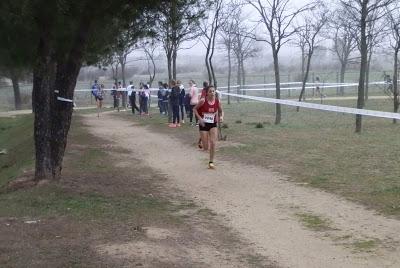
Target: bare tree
243, 47
178, 23
227, 34
149, 47
277, 17
209, 28
376, 31
393, 19
361, 11
308, 34
344, 41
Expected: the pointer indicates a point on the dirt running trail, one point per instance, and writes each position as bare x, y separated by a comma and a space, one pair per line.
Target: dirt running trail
262, 206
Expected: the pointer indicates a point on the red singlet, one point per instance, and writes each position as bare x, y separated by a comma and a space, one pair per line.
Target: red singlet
209, 108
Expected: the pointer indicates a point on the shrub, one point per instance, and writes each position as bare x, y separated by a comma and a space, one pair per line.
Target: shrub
259, 125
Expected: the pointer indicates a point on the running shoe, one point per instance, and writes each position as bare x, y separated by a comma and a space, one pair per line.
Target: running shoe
178, 125
211, 165
172, 125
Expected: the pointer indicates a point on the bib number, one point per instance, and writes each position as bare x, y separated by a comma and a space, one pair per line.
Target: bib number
209, 117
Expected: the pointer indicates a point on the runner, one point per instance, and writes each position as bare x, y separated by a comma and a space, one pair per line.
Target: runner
97, 92
209, 112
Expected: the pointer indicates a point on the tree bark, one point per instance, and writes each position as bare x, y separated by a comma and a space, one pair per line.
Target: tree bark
342, 74
174, 56
54, 79
395, 84
367, 75
305, 77
278, 88
229, 73
363, 67
123, 64
17, 93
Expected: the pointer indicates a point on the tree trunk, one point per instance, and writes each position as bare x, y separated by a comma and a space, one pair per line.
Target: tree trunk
395, 84
278, 88
43, 98
169, 65
367, 75
229, 73
239, 80
174, 56
342, 74
52, 79
123, 93
243, 74
17, 93
363, 67
305, 77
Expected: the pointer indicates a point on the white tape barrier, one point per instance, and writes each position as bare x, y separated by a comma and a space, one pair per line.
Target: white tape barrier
323, 107
325, 85
111, 89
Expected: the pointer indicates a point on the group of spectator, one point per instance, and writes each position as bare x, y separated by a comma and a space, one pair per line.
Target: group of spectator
175, 102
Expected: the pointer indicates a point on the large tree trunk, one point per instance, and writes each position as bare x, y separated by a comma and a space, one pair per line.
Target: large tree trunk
17, 93
395, 84
43, 98
363, 67
54, 79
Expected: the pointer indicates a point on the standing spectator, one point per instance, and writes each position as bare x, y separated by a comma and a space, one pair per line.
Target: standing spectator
169, 104
146, 96
194, 99
174, 100
114, 94
181, 100
132, 97
165, 99
160, 97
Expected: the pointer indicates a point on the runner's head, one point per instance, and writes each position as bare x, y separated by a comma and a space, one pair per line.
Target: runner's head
211, 91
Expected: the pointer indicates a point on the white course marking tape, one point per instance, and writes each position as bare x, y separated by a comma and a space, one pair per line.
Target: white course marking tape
323, 107
64, 99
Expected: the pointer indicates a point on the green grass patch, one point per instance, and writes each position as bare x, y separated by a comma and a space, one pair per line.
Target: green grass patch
365, 245
314, 222
53, 201
16, 136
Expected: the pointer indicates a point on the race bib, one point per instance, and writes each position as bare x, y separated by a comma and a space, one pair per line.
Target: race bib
209, 117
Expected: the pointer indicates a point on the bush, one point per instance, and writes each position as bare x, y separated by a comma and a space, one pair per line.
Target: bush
238, 121
259, 125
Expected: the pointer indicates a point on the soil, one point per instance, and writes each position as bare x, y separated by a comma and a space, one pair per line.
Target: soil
259, 206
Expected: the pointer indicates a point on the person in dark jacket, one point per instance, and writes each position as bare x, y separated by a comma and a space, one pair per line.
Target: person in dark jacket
174, 100
181, 100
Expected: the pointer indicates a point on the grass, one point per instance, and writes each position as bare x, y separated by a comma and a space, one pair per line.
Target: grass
314, 222
58, 200
364, 245
316, 148
16, 136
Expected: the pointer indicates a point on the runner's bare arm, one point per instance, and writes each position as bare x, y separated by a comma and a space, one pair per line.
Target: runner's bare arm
196, 112
220, 113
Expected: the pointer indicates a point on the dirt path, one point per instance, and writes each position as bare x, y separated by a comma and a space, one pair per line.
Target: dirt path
263, 206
